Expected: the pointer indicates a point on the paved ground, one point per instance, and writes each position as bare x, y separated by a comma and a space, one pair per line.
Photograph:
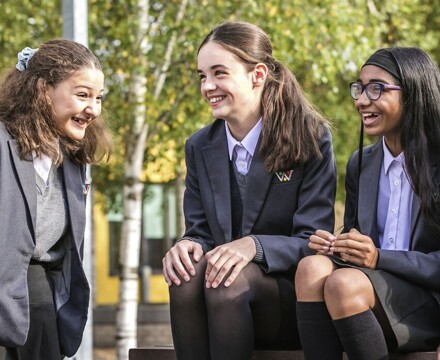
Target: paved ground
104, 354
153, 329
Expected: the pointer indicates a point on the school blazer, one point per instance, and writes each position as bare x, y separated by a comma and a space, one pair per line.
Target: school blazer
281, 213
18, 205
421, 264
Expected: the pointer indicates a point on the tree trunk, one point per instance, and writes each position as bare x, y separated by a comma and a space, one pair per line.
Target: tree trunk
180, 226
126, 317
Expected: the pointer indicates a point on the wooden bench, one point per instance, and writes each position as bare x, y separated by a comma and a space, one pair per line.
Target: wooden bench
167, 353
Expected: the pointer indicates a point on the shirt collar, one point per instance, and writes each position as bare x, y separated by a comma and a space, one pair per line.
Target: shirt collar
388, 158
249, 142
42, 165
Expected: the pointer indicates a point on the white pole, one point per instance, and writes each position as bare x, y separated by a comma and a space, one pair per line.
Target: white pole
75, 28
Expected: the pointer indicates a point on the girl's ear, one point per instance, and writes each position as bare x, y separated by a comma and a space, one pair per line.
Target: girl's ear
259, 74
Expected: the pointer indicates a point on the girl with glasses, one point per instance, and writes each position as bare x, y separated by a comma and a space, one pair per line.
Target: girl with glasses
375, 287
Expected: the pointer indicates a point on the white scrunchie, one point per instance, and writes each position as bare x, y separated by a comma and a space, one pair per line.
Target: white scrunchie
23, 58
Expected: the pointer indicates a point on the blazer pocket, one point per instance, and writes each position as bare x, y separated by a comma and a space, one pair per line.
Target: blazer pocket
20, 290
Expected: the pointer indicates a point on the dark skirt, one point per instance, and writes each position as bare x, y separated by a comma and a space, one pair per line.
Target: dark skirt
412, 311
42, 341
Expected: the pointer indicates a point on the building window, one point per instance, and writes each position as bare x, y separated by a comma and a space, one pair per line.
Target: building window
159, 224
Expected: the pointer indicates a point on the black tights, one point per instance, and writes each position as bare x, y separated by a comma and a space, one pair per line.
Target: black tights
226, 322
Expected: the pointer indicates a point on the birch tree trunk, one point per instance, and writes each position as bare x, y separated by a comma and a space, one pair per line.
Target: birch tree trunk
126, 317
180, 226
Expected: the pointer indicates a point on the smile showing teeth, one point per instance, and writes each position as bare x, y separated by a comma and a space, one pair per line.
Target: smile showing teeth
216, 99
368, 115
80, 121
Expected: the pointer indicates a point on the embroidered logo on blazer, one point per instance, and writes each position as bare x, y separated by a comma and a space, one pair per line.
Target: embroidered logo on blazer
284, 176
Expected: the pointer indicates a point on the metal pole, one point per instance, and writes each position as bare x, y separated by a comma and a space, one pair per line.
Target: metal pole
75, 28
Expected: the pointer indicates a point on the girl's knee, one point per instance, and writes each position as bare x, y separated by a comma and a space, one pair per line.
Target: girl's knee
311, 275
312, 265
348, 292
343, 282
239, 292
192, 290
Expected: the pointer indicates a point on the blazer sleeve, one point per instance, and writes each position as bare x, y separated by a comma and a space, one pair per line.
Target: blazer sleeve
415, 266
196, 223
315, 210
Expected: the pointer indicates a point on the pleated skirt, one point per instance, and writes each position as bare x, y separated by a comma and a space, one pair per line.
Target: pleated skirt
412, 310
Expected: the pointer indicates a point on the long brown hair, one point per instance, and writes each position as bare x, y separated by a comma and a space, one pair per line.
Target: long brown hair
27, 113
420, 125
291, 125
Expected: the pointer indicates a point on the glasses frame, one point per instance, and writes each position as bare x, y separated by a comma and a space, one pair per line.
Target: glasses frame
382, 87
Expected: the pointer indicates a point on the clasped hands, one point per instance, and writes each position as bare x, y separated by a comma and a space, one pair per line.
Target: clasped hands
353, 246
223, 262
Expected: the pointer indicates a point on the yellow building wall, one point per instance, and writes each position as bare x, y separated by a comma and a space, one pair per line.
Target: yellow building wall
106, 286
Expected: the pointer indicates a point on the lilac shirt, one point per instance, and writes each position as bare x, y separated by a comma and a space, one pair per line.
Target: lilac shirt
394, 203
241, 152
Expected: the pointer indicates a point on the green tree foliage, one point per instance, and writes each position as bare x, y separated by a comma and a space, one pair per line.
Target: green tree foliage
324, 42
26, 23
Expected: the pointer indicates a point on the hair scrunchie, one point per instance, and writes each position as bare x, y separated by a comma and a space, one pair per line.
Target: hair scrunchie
23, 58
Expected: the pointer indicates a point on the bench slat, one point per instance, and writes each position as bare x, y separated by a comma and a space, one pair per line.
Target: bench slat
167, 353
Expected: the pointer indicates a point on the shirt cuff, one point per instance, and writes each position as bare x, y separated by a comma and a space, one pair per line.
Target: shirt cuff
259, 256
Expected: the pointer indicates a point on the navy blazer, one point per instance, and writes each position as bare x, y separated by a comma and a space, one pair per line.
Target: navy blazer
421, 264
18, 206
281, 214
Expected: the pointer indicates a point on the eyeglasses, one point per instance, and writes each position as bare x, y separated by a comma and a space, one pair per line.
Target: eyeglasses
373, 90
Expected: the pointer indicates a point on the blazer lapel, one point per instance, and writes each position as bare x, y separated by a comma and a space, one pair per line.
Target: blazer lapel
259, 181
26, 176
75, 200
415, 213
367, 206
216, 159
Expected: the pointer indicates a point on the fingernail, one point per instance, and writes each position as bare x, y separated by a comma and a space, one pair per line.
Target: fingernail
208, 285
227, 283
186, 278
192, 272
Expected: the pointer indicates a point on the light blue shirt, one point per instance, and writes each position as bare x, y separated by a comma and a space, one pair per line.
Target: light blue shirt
394, 203
242, 152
